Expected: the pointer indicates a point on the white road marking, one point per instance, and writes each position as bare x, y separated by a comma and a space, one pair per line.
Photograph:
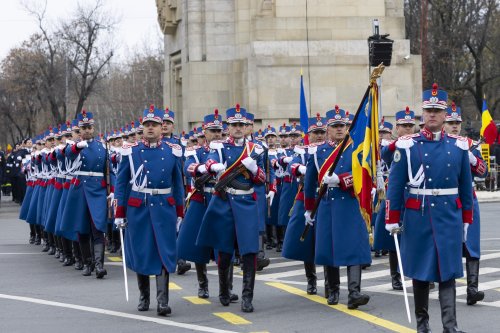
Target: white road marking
14, 253
160, 321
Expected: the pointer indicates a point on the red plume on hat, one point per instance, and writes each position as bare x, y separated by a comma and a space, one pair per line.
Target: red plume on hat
84, 112
453, 106
407, 110
434, 89
336, 109
216, 113
237, 107
151, 108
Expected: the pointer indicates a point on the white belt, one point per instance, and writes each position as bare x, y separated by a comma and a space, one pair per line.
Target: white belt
231, 190
89, 173
68, 177
152, 191
208, 190
437, 191
330, 186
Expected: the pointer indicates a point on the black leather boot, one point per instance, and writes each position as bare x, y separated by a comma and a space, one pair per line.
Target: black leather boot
201, 273
162, 294
333, 278
279, 238
421, 299
182, 266
395, 276
77, 254
472, 268
224, 265
100, 271
310, 269
249, 269
327, 285
232, 297
354, 285
270, 243
262, 261
143, 283
86, 257
447, 300
32, 239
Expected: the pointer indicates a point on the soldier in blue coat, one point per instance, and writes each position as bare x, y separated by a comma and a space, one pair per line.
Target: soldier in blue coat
405, 125
438, 208
149, 194
472, 245
86, 203
198, 198
341, 240
232, 216
271, 136
293, 248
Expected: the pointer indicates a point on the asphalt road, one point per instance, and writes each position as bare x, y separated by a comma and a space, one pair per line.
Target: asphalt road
37, 294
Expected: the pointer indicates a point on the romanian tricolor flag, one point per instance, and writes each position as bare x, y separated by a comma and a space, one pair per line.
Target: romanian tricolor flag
365, 136
488, 128
304, 119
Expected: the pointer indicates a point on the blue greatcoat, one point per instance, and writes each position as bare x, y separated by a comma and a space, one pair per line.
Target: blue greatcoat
31, 217
56, 159
150, 237
341, 234
30, 186
86, 202
431, 242
277, 175
234, 220
44, 184
473, 242
186, 241
289, 188
293, 248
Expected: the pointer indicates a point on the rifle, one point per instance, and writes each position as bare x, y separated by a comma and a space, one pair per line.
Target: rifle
323, 187
108, 181
268, 180
222, 184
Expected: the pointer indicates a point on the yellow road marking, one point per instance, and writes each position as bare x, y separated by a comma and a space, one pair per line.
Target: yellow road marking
232, 318
463, 281
115, 259
174, 286
343, 308
196, 300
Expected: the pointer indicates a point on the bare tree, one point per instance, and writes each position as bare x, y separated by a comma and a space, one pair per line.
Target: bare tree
89, 52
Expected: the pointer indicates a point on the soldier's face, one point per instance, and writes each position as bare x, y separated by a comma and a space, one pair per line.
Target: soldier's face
201, 140
317, 136
237, 130
385, 135
118, 142
453, 127
49, 143
434, 119
271, 140
167, 128
87, 132
336, 132
132, 138
212, 134
284, 140
152, 131
249, 129
405, 129
295, 139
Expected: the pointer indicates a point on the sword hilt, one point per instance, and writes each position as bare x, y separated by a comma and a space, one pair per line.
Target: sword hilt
397, 231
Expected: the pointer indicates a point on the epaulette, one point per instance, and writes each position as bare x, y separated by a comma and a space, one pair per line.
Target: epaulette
272, 151
126, 150
258, 149
299, 150
313, 147
219, 144
461, 141
281, 151
70, 142
176, 149
191, 151
385, 142
406, 141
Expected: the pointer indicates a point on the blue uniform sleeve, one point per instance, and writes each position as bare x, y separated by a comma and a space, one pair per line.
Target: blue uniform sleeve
310, 183
398, 177
121, 190
178, 187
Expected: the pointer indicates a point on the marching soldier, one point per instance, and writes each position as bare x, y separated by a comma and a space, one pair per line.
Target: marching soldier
150, 208
86, 204
405, 125
438, 208
340, 240
232, 214
471, 248
293, 248
271, 137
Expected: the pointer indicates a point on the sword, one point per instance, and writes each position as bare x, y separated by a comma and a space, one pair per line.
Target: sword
395, 233
124, 264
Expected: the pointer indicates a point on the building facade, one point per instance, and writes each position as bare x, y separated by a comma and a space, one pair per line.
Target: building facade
222, 52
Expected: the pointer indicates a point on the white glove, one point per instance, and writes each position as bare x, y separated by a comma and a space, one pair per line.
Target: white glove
202, 168
302, 169
120, 223
19, 158
287, 159
331, 180
250, 164
466, 227
111, 196
309, 220
270, 196
217, 167
391, 226
178, 224
472, 159
82, 144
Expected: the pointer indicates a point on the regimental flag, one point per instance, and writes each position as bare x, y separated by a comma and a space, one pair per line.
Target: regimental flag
364, 133
304, 122
488, 128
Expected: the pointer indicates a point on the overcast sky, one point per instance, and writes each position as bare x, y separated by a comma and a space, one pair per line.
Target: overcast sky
137, 21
